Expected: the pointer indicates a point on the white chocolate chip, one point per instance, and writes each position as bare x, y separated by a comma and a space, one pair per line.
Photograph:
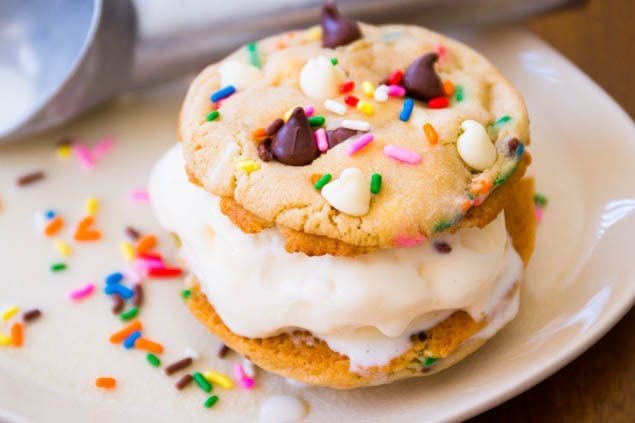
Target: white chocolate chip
475, 147
320, 79
350, 193
240, 75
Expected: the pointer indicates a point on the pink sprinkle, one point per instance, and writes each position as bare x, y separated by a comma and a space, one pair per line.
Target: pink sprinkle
401, 154
139, 196
396, 91
309, 110
82, 292
247, 383
441, 51
539, 212
407, 241
359, 143
84, 156
320, 139
239, 371
133, 275
142, 265
103, 147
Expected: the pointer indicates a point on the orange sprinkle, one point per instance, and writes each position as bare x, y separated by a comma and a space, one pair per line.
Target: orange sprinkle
448, 88
87, 235
315, 177
466, 205
258, 134
54, 226
119, 336
85, 222
481, 186
148, 345
146, 243
280, 45
431, 133
106, 382
17, 334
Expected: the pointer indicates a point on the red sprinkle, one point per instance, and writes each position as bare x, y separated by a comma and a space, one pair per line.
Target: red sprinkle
438, 103
150, 256
395, 77
351, 100
165, 272
347, 86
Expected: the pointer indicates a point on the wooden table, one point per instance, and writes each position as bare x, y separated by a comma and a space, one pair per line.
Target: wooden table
599, 386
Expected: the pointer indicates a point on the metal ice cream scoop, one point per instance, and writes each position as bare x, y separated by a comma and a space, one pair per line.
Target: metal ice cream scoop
59, 58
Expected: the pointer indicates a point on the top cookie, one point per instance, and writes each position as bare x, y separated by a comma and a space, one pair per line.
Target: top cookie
429, 129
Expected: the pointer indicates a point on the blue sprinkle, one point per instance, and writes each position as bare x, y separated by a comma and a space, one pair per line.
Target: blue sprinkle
114, 288
113, 278
520, 151
223, 93
406, 111
50, 214
131, 339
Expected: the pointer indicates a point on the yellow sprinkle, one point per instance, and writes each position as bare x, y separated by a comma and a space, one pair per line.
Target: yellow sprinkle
64, 151
365, 107
247, 166
9, 313
368, 89
219, 379
313, 34
92, 205
63, 248
127, 250
5, 341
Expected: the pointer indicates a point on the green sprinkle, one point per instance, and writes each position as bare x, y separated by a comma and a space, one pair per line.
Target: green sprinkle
459, 94
153, 359
442, 226
202, 382
334, 61
316, 120
186, 293
130, 314
375, 183
212, 115
428, 361
252, 49
58, 267
209, 403
540, 200
502, 120
503, 177
325, 179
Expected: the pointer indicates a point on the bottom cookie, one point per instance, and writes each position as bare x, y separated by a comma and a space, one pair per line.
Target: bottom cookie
303, 357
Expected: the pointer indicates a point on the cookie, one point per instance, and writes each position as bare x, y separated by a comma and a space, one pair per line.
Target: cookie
432, 118
301, 356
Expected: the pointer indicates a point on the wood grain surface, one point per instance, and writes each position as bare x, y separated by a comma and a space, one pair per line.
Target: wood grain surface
599, 386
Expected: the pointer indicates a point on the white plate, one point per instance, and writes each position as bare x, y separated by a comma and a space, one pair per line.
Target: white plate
580, 282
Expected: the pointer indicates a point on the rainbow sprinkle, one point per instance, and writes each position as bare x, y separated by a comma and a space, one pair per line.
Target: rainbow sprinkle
402, 155
356, 145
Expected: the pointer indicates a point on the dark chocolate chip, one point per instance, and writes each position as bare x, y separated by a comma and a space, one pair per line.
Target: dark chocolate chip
513, 145
339, 135
264, 151
294, 144
421, 336
274, 127
184, 381
442, 247
337, 30
421, 80
179, 365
